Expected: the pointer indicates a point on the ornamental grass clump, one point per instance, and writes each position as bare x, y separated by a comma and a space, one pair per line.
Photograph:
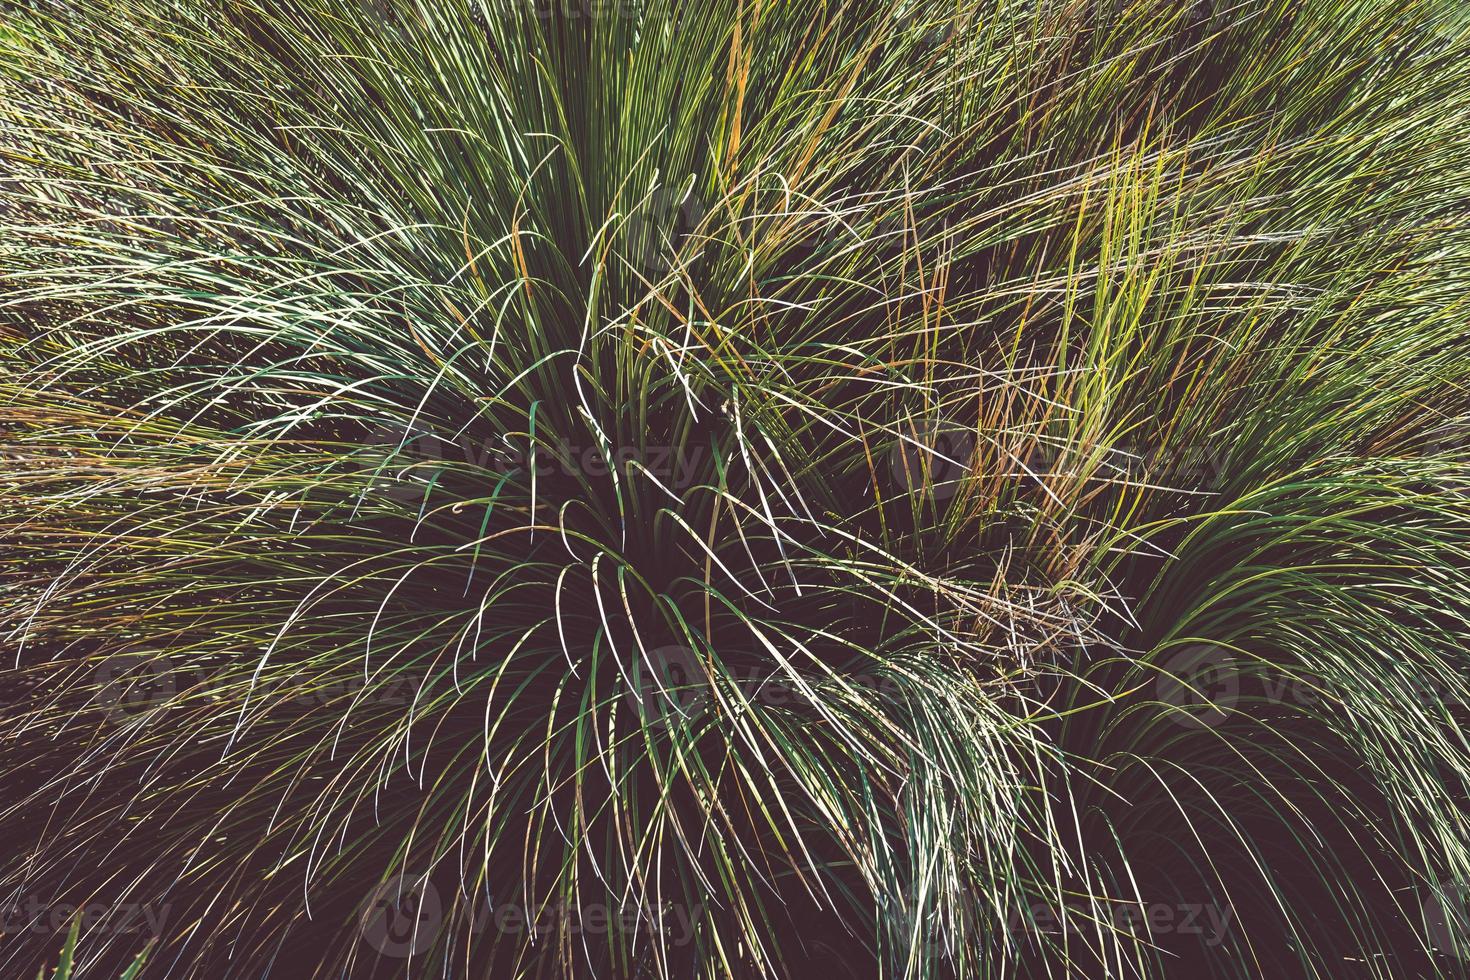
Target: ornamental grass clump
735, 489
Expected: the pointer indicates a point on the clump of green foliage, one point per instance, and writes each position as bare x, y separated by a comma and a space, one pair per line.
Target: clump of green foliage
67, 964
739, 488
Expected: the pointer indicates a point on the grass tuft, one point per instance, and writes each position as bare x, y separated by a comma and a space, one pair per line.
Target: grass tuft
735, 489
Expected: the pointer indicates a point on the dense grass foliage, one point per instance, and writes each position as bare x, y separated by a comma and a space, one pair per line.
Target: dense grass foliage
748, 488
